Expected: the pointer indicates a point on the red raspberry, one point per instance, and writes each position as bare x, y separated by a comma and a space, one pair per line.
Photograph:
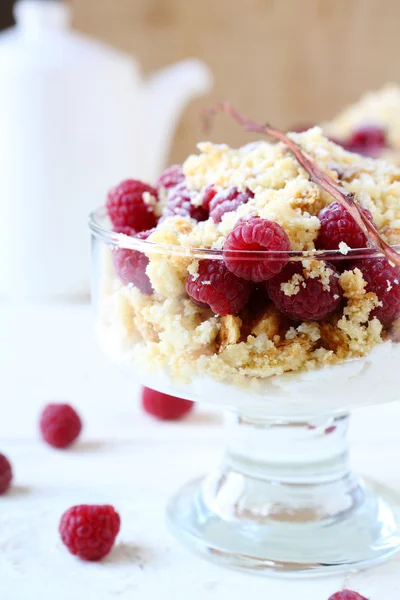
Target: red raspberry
130, 265
170, 177
337, 225
60, 425
180, 203
127, 208
384, 281
347, 595
208, 195
5, 474
368, 140
255, 235
218, 288
89, 530
311, 302
226, 201
163, 406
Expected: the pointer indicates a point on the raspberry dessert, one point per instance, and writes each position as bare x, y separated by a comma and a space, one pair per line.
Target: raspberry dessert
230, 221
269, 283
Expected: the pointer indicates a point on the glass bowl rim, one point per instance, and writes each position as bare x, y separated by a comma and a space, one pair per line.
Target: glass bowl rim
120, 240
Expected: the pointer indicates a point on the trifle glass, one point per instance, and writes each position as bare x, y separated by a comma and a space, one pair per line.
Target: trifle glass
234, 294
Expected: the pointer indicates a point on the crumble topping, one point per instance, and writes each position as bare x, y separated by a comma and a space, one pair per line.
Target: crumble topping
167, 331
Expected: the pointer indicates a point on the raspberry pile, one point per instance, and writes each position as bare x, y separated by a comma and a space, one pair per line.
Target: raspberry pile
255, 251
59, 425
163, 406
89, 531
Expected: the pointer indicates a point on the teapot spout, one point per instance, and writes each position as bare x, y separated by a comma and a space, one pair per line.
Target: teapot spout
166, 94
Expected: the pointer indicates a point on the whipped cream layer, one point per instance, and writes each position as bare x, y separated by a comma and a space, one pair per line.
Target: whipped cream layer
334, 389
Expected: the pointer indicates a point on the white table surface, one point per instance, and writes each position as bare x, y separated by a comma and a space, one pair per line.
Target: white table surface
127, 459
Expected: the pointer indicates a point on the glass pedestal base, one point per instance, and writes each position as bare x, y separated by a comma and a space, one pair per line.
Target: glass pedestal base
284, 502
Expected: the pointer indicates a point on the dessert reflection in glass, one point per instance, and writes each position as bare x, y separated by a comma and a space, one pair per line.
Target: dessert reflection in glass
260, 279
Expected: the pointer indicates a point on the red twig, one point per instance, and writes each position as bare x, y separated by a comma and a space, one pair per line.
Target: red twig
316, 174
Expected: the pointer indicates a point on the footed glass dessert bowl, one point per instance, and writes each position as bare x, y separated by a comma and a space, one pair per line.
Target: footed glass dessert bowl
240, 281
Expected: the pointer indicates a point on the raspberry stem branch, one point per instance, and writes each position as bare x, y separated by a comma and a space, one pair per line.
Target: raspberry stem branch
316, 175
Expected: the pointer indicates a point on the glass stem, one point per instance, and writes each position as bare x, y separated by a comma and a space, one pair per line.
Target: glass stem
283, 471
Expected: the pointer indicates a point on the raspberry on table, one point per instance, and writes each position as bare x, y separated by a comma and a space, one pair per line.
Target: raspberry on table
89, 530
130, 265
127, 206
60, 425
171, 177
218, 288
337, 225
256, 235
163, 406
5, 474
347, 595
308, 300
226, 201
180, 203
384, 281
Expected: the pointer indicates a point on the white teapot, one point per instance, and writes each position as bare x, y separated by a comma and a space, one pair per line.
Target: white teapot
75, 118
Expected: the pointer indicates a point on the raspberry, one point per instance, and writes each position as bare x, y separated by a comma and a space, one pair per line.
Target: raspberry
309, 301
130, 265
127, 208
180, 203
384, 281
170, 177
163, 406
255, 235
347, 595
368, 140
89, 530
208, 195
226, 201
60, 425
337, 225
218, 288
5, 474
